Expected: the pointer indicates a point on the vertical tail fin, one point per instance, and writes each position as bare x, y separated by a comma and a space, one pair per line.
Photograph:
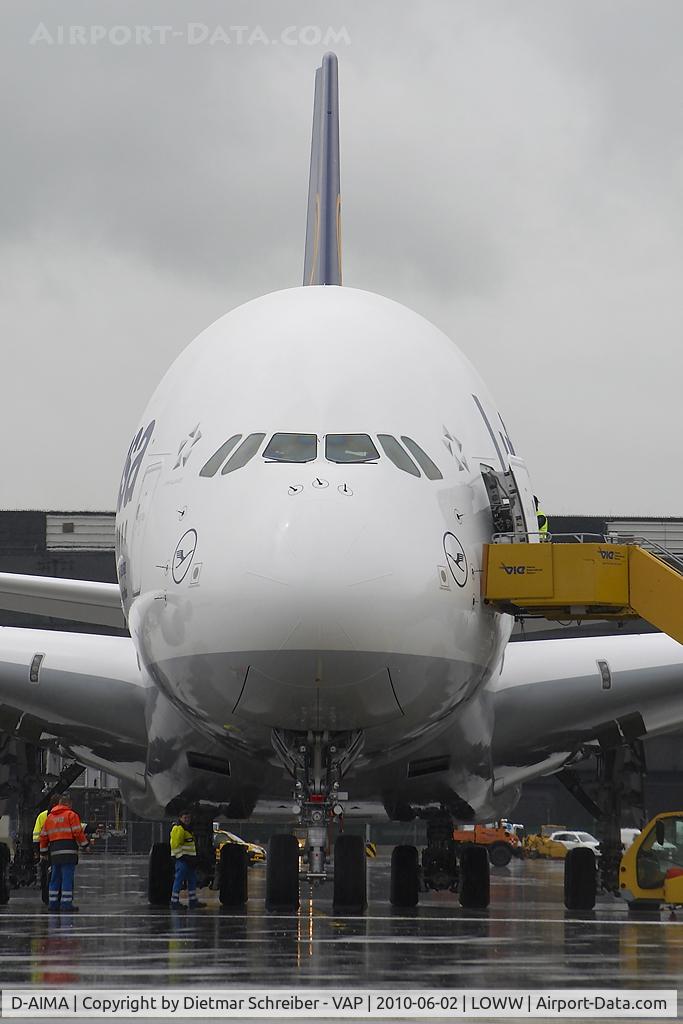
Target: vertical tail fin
322, 258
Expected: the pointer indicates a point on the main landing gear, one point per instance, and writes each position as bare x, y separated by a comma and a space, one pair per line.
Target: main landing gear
317, 763
444, 867
615, 797
228, 874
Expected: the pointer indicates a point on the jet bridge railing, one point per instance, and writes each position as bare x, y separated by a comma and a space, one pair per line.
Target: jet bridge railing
575, 577
659, 550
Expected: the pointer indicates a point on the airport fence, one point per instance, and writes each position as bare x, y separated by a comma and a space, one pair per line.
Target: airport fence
136, 837
129, 838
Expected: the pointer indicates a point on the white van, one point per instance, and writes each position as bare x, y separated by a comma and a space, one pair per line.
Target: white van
627, 837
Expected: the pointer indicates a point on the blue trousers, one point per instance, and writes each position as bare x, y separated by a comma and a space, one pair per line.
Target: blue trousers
184, 872
61, 881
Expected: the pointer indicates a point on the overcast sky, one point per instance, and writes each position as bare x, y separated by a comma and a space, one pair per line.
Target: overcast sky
511, 169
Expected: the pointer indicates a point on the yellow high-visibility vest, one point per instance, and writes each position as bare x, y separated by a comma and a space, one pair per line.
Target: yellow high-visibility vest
38, 827
182, 842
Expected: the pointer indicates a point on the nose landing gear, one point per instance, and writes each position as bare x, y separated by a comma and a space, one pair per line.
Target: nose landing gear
317, 762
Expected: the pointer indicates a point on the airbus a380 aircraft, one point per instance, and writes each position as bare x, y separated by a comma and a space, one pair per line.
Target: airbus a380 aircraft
299, 536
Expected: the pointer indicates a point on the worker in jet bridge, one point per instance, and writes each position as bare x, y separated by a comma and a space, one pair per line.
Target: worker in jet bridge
184, 851
542, 521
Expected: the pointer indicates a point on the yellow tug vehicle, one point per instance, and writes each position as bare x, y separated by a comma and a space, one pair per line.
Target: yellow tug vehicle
650, 872
540, 844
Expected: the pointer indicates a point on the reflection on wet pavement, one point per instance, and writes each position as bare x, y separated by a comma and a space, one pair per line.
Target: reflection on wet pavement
525, 940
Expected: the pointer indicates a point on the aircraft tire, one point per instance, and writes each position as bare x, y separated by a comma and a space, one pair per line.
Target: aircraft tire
474, 888
405, 872
232, 875
500, 854
580, 879
4, 873
350, 887
644, 909
160, 875
282, 873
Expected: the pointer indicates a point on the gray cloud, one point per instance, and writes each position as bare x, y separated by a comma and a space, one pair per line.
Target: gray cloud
510, 170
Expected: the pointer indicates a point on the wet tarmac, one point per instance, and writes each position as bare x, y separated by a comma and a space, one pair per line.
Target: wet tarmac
525, 939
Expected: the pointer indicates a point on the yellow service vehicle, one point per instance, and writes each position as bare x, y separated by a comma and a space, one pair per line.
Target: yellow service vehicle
541, 845
651, 870
255, 853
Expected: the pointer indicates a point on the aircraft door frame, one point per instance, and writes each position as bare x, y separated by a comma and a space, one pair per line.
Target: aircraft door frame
520, 477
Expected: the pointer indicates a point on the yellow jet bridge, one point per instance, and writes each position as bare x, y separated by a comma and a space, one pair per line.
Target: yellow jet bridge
582, 580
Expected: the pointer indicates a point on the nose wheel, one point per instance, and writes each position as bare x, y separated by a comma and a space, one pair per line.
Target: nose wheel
282, 874
350, 890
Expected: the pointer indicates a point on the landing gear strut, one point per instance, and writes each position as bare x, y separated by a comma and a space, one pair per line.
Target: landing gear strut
615, 797
465, 871
439, 857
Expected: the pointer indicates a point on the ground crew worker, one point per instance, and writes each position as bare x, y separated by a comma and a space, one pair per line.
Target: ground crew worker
40, 821
542, 520
184, 850
62, 836
38, 828
44, 862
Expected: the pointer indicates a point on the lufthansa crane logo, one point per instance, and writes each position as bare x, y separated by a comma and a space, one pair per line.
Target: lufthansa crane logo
183, 555
455, 556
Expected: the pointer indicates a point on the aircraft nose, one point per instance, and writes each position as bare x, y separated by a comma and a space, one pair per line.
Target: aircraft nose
324, 553
326, 621
319, 545
325, 568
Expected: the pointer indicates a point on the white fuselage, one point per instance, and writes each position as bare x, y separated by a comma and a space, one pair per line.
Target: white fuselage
316, 595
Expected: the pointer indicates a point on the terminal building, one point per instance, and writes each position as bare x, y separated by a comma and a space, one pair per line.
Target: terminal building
80, 545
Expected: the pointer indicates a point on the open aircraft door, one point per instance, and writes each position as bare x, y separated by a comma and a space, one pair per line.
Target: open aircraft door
519, 475
512, 501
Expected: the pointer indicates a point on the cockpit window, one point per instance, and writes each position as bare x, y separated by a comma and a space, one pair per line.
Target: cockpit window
397, 454
247, 450
291, 448
430, 470
219, 457
350, 448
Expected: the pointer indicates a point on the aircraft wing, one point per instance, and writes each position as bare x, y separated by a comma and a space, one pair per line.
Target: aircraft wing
554, 696
84, 690
76, 600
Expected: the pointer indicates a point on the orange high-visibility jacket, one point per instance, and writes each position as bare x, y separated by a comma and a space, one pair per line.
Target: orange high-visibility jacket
62, 834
